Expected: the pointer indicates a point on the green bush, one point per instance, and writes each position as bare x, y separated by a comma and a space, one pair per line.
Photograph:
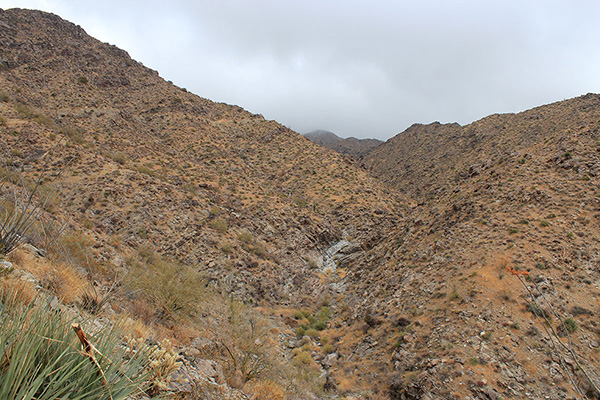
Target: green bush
321, 325
219, 225
227, 248
313, 333
324, 313
41, 358
302, 359
245, 237
570, 325
300, 332
174, 290
328, 349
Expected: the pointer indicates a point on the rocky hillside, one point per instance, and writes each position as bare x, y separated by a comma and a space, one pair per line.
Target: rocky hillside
463, 265
508, 193
171, 196
356, 148
430, 160
149, 162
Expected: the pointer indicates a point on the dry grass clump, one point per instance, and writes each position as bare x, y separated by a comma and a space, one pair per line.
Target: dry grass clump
59, 279
136, 328
21, 291
64, 283
265, 390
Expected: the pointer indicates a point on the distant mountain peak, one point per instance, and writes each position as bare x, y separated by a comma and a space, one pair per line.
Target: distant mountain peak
356, 148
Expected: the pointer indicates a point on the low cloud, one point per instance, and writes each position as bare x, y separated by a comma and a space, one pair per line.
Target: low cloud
357, 68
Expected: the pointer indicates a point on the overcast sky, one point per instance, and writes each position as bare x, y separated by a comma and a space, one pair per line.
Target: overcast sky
357, 68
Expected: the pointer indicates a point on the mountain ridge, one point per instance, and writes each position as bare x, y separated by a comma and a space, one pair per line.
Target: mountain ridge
356, 148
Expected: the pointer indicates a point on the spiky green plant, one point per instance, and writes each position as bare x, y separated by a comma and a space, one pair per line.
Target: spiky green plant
41, 358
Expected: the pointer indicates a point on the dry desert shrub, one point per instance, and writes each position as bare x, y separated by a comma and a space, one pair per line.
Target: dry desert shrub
266, 390
173, 290
58, 278
64, 282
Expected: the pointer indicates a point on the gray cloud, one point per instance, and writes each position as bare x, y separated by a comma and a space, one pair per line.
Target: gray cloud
357, 68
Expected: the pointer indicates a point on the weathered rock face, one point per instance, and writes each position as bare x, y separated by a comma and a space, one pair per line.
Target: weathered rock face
201, 379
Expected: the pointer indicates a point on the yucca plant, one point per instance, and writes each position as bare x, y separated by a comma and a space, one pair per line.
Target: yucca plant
21, 206
41, 358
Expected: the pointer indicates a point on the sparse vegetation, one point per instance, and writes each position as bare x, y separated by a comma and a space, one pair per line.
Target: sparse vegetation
474, 361
21, 207
227, 248
27, 112
245, 237
536, 310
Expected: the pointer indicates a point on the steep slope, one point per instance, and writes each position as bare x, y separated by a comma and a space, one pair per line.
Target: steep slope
181, 196
429, 160
356, 148
508, 192
149, 162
